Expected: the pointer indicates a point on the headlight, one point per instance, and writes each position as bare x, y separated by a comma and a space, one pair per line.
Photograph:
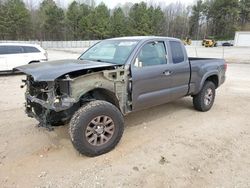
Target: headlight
57, 102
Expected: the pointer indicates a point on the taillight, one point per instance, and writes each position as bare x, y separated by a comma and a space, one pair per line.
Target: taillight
225, 66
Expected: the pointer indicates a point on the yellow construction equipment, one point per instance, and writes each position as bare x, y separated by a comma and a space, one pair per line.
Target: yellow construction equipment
209, 43
187, 41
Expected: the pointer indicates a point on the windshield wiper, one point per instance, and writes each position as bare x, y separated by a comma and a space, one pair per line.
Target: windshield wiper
98, 60
102, 61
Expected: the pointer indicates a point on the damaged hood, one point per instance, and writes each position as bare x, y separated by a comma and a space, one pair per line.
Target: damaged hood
49, 71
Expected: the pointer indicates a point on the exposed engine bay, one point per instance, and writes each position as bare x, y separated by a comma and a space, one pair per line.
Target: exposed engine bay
54, 102
48, 101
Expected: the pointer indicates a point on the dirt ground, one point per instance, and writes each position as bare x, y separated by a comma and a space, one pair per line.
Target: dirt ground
171, 145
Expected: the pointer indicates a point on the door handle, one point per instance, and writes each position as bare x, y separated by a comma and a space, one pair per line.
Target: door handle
167, 72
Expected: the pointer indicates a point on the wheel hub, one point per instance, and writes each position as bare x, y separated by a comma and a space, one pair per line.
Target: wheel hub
100, 130
208, 96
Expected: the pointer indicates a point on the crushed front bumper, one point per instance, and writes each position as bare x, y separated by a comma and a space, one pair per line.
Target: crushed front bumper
51, 105
57, 104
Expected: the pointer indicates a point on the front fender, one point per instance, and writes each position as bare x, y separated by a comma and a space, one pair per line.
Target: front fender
114, 81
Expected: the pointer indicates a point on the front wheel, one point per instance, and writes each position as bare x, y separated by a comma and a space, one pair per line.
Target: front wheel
204, 100
96, 128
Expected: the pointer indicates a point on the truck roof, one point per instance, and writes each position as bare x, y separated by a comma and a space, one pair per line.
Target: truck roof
144, 38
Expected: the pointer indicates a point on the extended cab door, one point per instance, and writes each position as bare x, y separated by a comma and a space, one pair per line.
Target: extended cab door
180, 69
151, 80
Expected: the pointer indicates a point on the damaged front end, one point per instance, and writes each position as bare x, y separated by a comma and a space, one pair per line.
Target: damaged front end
49, 101
57, 89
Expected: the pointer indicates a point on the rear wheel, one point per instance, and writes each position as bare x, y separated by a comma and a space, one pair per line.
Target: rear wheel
204, 100
96, 128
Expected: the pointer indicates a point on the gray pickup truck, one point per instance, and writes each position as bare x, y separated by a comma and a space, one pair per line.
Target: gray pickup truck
113, 78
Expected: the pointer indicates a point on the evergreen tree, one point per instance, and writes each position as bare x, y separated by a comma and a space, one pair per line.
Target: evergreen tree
225, 14
2, 26
244, 6
195, 19
14, 20
97, 23
118, 23
52, 20
157, 21
73, 16
83, 20
139, 21
85, 11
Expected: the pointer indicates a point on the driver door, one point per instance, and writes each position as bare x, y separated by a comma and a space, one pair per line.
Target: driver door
151, 81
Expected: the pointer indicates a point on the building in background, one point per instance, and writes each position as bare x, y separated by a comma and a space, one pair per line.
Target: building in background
242, 38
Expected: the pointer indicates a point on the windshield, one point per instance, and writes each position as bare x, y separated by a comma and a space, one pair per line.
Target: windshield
110, 51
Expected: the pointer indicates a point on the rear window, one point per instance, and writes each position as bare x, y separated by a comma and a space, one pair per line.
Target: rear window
30, 49
177, 52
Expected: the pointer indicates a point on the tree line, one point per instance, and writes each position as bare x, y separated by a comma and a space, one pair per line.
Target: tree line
83, 20
219, 18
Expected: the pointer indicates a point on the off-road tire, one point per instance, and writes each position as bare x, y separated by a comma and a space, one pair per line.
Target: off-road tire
199, 99
83, 117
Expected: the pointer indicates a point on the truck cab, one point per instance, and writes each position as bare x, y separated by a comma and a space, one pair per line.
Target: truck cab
113, 78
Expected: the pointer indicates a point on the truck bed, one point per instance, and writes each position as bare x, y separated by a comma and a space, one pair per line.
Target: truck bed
202, 58
199, 66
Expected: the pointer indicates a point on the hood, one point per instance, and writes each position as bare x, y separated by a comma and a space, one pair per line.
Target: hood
49, 71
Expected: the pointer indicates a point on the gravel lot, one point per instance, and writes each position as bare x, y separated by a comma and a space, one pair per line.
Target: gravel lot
171, 145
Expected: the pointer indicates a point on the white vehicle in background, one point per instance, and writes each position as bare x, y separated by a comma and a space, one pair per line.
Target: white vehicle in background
17, 54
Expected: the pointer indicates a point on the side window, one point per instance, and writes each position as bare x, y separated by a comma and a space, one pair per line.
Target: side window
153, 53
177, 52
30, 49
9, 49
3, 50
15, 49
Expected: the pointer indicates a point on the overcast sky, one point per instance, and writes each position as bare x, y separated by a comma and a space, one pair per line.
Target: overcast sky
113, 3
